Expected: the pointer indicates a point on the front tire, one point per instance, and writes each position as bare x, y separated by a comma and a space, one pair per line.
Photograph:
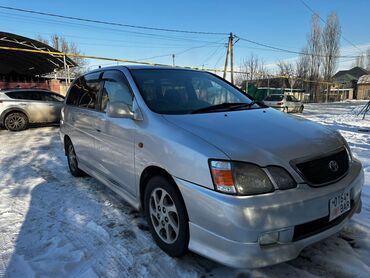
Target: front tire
72, 161
16, 121
300, 109
166, 215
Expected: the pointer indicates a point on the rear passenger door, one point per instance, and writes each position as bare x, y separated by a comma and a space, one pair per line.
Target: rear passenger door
38, 110
290, 104
55, 104
115, 142
80, 115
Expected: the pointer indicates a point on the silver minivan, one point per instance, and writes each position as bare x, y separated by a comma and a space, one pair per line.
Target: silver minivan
215, 172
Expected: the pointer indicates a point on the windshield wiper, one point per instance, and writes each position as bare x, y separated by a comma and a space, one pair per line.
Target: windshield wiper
223, 106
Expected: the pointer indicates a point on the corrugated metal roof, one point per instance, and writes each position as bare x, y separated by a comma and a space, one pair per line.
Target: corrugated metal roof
28, 63
365, 79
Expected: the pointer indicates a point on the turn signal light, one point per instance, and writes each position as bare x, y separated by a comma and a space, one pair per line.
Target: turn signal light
222, 176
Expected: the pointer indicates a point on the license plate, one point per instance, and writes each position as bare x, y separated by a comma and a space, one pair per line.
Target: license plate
339, 205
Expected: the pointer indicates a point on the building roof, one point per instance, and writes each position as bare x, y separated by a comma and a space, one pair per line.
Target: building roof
28, 63
351, 74
365, 79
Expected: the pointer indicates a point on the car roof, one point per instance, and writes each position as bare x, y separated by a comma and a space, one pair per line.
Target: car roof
25, 89
137, 67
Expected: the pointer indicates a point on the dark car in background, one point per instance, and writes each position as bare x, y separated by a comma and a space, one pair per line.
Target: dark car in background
21, 107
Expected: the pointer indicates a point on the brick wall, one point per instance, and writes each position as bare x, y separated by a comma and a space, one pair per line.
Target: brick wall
52, 85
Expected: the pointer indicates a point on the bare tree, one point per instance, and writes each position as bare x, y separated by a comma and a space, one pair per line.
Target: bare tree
368, 59
253, 68
302, 68
286, 71
314, 47
62, 45
359, 62
330, 47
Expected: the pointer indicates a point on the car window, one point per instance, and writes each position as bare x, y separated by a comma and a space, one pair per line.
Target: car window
75, 92
17, 95
52, 97
84, 91
168, 91
212, 92
27, 95
274, 98
289, 98
294, 99
115, 89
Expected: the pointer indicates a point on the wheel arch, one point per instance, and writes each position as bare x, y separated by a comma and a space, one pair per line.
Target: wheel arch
66, 140
148, 173
10, 110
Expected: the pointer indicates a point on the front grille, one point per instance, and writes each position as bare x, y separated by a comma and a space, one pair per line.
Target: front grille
325, 169
311, 228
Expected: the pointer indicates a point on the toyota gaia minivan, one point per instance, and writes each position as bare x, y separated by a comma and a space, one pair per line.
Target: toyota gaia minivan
215, 172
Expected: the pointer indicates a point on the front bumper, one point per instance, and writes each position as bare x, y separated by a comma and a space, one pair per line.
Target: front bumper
226, 228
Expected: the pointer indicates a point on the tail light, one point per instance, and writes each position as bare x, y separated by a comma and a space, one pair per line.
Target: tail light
279, 103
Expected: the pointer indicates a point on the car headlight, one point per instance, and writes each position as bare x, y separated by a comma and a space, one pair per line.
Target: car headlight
248, 179
348, 149
281, 177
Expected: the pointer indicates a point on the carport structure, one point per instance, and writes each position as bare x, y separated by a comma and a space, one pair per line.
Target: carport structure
30, 63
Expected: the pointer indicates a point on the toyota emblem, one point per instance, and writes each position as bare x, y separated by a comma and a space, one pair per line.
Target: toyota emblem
333, 166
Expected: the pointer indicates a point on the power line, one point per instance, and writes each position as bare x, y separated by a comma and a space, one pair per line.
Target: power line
111, 23
211, 55
313, 12
291, 51
180, 52
136, 33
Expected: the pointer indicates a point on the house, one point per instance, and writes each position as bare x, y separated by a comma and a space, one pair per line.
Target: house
348, 76
346, 81
363, 87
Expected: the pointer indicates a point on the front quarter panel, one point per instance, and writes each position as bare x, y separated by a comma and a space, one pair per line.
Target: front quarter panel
180, 153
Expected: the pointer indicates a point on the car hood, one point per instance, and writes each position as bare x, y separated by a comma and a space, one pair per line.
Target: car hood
262, 136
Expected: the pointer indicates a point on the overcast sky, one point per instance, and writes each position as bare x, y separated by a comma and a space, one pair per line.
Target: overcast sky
281, 23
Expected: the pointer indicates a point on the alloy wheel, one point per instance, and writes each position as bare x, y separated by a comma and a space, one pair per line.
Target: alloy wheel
16, 122
72, 159
164, 215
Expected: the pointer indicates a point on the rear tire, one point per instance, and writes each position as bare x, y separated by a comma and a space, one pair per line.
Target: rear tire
166, 215
72, 161
16, 121
300, 109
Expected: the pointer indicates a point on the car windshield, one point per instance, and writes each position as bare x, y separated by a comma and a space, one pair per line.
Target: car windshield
274, 97
168, 91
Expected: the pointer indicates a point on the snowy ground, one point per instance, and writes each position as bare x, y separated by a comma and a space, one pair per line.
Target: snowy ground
52, 224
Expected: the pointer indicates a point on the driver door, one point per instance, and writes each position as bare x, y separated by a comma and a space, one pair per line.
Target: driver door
115, 143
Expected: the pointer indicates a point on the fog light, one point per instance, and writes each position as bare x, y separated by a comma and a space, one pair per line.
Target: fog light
268, 238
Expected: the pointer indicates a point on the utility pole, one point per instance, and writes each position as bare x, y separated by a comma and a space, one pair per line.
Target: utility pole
173, 60
230, 51
65, 69
232, 57
227, 57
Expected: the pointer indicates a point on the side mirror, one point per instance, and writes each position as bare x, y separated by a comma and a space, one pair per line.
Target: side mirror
119, 110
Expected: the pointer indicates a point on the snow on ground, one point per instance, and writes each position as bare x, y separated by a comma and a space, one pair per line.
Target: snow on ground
55, 225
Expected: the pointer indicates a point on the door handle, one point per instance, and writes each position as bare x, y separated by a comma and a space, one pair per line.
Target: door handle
98, 130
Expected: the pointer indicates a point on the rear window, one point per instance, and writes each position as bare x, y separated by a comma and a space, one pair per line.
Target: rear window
274, 97
29, 95
84, 91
